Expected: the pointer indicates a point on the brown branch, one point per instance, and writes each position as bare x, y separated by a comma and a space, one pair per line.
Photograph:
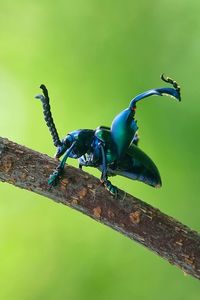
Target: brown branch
139, 221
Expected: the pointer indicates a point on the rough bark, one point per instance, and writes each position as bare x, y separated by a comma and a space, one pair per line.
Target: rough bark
132, 217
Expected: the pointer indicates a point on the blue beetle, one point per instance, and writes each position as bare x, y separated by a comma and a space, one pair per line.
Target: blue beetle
113, 150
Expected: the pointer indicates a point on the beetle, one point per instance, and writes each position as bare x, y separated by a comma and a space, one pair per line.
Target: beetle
113, 150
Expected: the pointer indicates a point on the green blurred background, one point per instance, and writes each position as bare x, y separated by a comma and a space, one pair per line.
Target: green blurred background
94, 56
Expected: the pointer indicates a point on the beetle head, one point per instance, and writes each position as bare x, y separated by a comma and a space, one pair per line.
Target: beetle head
60, 151
65, 144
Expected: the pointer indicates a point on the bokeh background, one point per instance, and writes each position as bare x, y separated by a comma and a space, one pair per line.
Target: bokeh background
94, 56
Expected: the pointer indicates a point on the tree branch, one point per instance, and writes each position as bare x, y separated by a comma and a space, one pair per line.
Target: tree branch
132, 217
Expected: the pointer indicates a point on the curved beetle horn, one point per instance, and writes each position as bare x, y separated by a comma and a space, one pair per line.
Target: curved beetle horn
172, 92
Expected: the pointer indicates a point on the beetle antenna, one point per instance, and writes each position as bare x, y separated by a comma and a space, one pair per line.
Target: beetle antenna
48, 116
171, 81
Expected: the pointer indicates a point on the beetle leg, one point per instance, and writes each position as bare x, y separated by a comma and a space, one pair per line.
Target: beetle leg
171, 81
104, 177
174, 92
136, 139
54, 178
111, 188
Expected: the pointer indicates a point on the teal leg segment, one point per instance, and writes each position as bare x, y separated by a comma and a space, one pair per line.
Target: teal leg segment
55, 177
174, 92
136, 139
104, 177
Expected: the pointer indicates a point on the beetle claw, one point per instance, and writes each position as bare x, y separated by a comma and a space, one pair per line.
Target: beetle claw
55, 177
109, 187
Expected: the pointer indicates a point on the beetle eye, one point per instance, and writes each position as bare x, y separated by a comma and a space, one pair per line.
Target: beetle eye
67, 143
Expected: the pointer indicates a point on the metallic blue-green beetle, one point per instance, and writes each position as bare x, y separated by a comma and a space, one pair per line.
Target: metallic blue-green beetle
114, 151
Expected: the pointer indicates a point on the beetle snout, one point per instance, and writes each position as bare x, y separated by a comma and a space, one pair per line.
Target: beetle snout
57, 155
60, 151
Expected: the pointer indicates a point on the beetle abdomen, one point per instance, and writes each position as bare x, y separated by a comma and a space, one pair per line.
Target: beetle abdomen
138, 166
